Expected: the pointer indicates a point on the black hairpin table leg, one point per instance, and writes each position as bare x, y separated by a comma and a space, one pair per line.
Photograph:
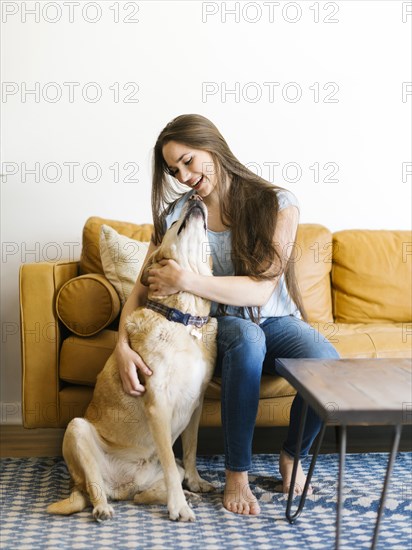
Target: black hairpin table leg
292, 517
394, 450
342, 457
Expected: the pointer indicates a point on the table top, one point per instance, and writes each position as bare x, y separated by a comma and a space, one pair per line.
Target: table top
353, 391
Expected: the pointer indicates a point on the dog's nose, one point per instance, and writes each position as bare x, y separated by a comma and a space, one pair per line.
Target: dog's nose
195, 197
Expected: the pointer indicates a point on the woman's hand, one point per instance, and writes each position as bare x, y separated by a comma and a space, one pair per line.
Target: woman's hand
128, 362
167, 279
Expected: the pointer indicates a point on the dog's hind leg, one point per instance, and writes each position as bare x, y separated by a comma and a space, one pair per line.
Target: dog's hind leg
76, 502
189, 444
157, 493
158, 416
85, 459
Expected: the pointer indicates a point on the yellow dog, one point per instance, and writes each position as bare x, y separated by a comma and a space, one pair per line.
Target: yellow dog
122, 448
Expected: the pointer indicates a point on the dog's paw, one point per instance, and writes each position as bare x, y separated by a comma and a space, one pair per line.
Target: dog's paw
199, 485
184, 513
101, 512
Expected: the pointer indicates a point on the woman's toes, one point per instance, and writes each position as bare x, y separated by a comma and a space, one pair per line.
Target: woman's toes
238, 498
254, 509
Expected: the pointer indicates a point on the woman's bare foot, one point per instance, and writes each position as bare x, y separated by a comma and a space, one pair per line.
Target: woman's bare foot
238, 497
285, 469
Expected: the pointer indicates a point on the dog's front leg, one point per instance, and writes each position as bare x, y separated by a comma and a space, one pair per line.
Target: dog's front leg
189, 443
158, 417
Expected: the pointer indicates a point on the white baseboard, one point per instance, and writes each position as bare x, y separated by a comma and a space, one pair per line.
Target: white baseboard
10, 413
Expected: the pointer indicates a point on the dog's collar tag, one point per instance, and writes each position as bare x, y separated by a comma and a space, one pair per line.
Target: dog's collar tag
196, 333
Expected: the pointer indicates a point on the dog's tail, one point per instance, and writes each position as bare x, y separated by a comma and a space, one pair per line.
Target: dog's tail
75, 503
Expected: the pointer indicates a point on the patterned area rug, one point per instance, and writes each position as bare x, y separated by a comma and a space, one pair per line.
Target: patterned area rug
28, 485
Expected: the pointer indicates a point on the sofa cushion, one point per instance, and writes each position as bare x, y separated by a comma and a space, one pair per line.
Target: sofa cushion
87, 304
313, 264
122, 259
371, 276
90, 261
270, 387
81, 359
370, 340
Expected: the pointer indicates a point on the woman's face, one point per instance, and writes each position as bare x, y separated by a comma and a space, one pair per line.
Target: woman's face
192, 167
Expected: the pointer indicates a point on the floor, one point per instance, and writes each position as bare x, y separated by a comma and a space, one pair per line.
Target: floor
29, 485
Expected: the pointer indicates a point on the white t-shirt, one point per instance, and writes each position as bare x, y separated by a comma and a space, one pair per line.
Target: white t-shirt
220, 246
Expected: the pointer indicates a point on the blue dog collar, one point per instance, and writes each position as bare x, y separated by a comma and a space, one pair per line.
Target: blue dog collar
173, 314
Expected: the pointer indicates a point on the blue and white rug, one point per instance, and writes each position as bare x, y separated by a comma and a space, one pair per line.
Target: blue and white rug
28, 485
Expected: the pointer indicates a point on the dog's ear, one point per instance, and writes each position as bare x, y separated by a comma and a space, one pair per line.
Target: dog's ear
153, 258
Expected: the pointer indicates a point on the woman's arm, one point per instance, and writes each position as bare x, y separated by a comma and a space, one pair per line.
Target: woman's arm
128, 360
235, 290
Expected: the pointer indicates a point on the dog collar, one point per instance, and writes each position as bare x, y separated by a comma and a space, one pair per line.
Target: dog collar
173, 314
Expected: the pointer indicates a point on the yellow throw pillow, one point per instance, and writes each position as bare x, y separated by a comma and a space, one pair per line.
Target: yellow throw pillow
90, 261
122, 259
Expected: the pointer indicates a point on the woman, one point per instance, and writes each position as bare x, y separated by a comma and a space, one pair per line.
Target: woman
251, 227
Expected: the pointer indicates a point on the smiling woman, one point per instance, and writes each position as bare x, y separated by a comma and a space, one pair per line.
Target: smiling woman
251, 229
192, 167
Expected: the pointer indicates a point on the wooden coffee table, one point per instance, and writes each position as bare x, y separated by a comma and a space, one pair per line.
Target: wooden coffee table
346, 392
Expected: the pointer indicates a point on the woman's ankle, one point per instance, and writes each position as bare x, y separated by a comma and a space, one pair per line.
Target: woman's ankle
285, 454
233, 474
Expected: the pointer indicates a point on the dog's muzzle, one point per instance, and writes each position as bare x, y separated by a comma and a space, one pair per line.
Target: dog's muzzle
196, 207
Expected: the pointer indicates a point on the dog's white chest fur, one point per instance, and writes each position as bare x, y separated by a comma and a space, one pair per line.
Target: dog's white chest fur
180, 377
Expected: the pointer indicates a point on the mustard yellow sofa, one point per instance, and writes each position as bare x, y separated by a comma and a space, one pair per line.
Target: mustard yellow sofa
356, 287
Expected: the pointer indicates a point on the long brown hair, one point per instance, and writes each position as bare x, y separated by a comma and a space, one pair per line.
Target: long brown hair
248, 204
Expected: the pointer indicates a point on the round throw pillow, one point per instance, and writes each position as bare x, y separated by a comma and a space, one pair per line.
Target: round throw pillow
87, 304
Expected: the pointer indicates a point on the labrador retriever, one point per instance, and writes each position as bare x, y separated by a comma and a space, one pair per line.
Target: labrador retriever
122, 448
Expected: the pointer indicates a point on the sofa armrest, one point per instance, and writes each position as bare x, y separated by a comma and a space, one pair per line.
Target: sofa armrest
41, 337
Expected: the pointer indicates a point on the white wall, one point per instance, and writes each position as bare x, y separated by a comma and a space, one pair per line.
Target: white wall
175, 52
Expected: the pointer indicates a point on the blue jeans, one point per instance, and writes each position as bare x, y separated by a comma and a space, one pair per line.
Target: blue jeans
245, 350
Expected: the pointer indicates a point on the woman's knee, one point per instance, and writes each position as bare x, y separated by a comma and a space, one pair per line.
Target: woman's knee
316, 345
242, 337
309, 342
326, 350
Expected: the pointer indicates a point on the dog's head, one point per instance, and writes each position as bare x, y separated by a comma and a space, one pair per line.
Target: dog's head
185, 241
